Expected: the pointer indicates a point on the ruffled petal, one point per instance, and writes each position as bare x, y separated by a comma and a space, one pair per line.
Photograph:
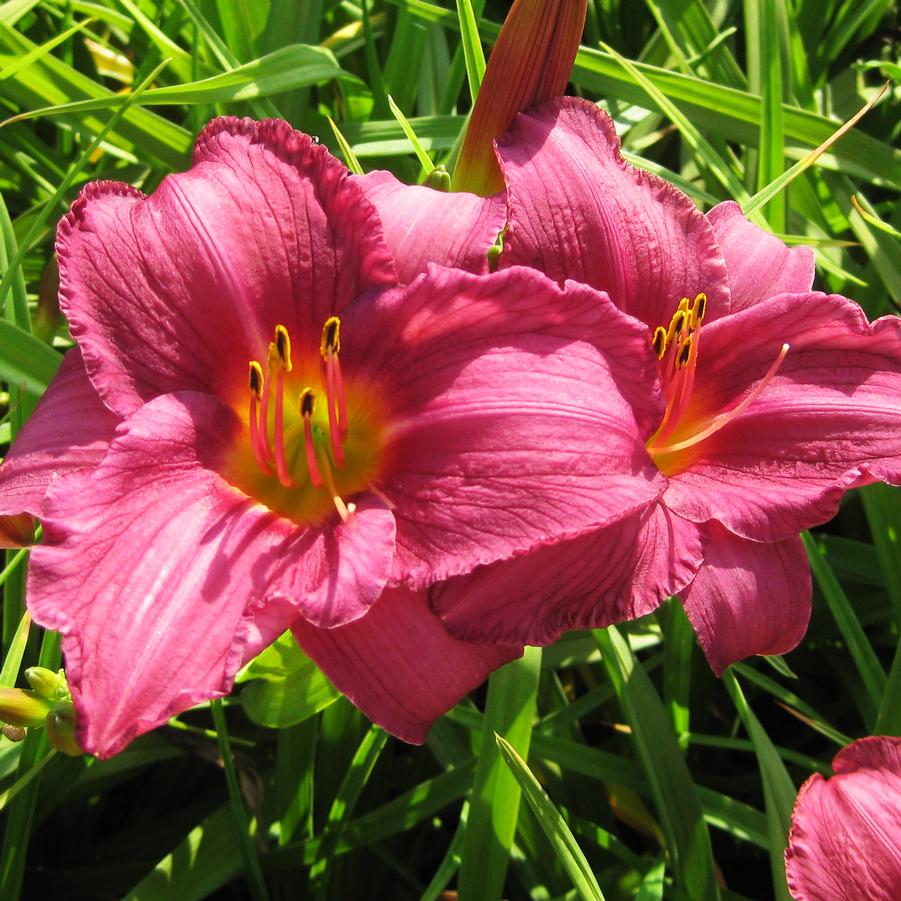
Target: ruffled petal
177, 291
759, 265
578, 210
399, 665
161, 577
510, 420
69, 429
845, 839
614, 574
424, 226
748, 597
334, 572
827, 421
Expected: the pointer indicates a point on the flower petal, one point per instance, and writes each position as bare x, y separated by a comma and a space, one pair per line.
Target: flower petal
162, 578
179, 290
399, 665
827, 421
334, 572
69, 429
760, 266
845, 839
424, 226
510, 420
579, 211
748, 597
616, 573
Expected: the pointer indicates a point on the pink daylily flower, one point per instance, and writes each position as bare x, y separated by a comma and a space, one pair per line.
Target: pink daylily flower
845, 838
766, 401
260, 429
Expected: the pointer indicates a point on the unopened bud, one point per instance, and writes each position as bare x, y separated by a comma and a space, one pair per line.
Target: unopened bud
61, 729
48, 684
19, 707
439, 179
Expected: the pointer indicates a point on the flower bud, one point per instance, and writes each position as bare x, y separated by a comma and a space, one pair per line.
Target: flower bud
19, 707
439, 179
61, 729
48, 684
531, 62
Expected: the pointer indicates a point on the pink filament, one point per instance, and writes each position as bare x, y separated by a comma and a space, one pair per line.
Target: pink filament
725, 418
283, 475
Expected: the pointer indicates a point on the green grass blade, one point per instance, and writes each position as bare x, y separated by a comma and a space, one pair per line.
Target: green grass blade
865, 660
671, 784
472, 46
766, 74
25, 361
287, 69
38, 52
494, 806
12, 663
424, 159
355, 779
778, 789
346, 150
50, 81
207, 858
242, 824
559, 835
51, 206
702, 148
773, 188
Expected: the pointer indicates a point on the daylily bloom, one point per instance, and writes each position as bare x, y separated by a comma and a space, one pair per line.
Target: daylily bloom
845, 839
260, 430
766, 401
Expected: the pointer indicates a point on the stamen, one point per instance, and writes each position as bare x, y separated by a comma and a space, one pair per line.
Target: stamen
725, 418
659, 342
699, 310
274, 364
256, 440
307, 399
331, 337
280, 464
684, 354
676, 324
283, 347
329, 348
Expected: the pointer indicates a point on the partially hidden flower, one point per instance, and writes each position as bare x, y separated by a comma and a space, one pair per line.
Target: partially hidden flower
764, 402
259, 429
845, 838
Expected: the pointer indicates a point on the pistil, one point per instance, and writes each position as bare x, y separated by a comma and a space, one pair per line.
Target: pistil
725, 418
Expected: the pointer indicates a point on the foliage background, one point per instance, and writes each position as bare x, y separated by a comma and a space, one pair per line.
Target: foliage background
664, 781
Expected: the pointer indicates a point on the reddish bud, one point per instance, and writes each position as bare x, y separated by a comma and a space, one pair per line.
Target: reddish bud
531, 62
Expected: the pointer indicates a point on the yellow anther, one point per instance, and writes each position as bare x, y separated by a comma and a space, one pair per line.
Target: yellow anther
283, 347
684, 354
676, 325
256, 378
307, 399
659, 342
683, 305
331, 337
698, 310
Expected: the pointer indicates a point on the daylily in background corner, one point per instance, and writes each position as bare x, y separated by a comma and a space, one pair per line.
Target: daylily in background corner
769, 401
845, 838
259, 429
